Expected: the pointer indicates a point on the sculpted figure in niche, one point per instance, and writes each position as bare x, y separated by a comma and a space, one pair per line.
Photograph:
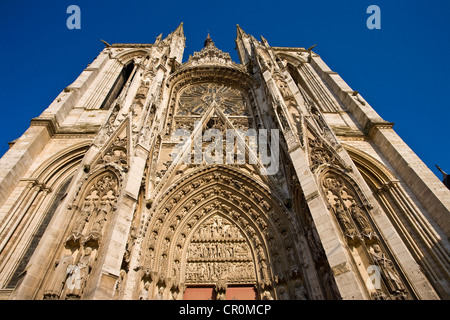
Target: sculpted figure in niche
119, 284
344, 220
300, 291
221, 296
267, 295
331, 291
56, 283
387, 270
88, 209
144, 292
78, 275
283, 294
159, 295
106, 205
360, 219
264, 270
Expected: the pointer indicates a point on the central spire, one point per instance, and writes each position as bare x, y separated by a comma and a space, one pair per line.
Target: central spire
208, 41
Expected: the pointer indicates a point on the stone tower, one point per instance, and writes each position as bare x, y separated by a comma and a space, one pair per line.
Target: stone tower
120, 190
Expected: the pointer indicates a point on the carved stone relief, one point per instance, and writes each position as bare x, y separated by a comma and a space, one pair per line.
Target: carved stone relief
69, 276
218, 250
353, 217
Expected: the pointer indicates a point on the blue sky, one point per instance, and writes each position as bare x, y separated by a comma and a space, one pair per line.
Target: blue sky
401, 70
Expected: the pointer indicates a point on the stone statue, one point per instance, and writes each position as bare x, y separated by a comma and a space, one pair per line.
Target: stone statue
144, 292
78, 275
387, 270
59, 277
283, 294
300, 291
159, 295
360, 218
330, 288
88, 208
221, 296
105, 208
266, 295
119, 284
344, 220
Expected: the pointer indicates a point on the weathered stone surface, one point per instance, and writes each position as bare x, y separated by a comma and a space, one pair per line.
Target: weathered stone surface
95, 205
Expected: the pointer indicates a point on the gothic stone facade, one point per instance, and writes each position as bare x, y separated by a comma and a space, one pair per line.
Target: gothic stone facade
94, 206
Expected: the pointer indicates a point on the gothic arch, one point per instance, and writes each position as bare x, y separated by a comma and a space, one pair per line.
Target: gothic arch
374, 172
126, 56
270, 233
405, 216
351, 211
99, 170
60, 164
293, 59
93, 210
36, 203
305, 77
232, 75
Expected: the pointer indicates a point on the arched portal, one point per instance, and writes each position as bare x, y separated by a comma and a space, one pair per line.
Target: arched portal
219, 254
227, 234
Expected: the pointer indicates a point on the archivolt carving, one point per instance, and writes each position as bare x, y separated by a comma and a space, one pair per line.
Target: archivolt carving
225, 229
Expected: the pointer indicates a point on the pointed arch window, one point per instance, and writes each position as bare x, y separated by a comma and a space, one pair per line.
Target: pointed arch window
118, 86
20, 269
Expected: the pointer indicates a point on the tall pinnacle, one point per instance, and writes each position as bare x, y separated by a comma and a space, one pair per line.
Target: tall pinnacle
179, 30
208, 41
239, 32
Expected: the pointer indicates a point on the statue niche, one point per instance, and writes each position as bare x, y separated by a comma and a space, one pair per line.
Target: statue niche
71, 271
351, 212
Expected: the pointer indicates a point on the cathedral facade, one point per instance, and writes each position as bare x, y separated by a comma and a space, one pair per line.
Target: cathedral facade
148, 178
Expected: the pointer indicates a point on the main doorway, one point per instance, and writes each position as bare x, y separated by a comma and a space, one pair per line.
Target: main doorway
232, 293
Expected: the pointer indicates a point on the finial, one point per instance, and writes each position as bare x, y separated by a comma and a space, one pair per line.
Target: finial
179, 30
208, 40
239, 31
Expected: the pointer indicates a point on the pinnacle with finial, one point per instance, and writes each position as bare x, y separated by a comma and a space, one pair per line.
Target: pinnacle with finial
208, 40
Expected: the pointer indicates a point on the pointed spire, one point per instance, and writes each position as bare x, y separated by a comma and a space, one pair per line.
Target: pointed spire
208, 41
179, 31
239, 31
264, 41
